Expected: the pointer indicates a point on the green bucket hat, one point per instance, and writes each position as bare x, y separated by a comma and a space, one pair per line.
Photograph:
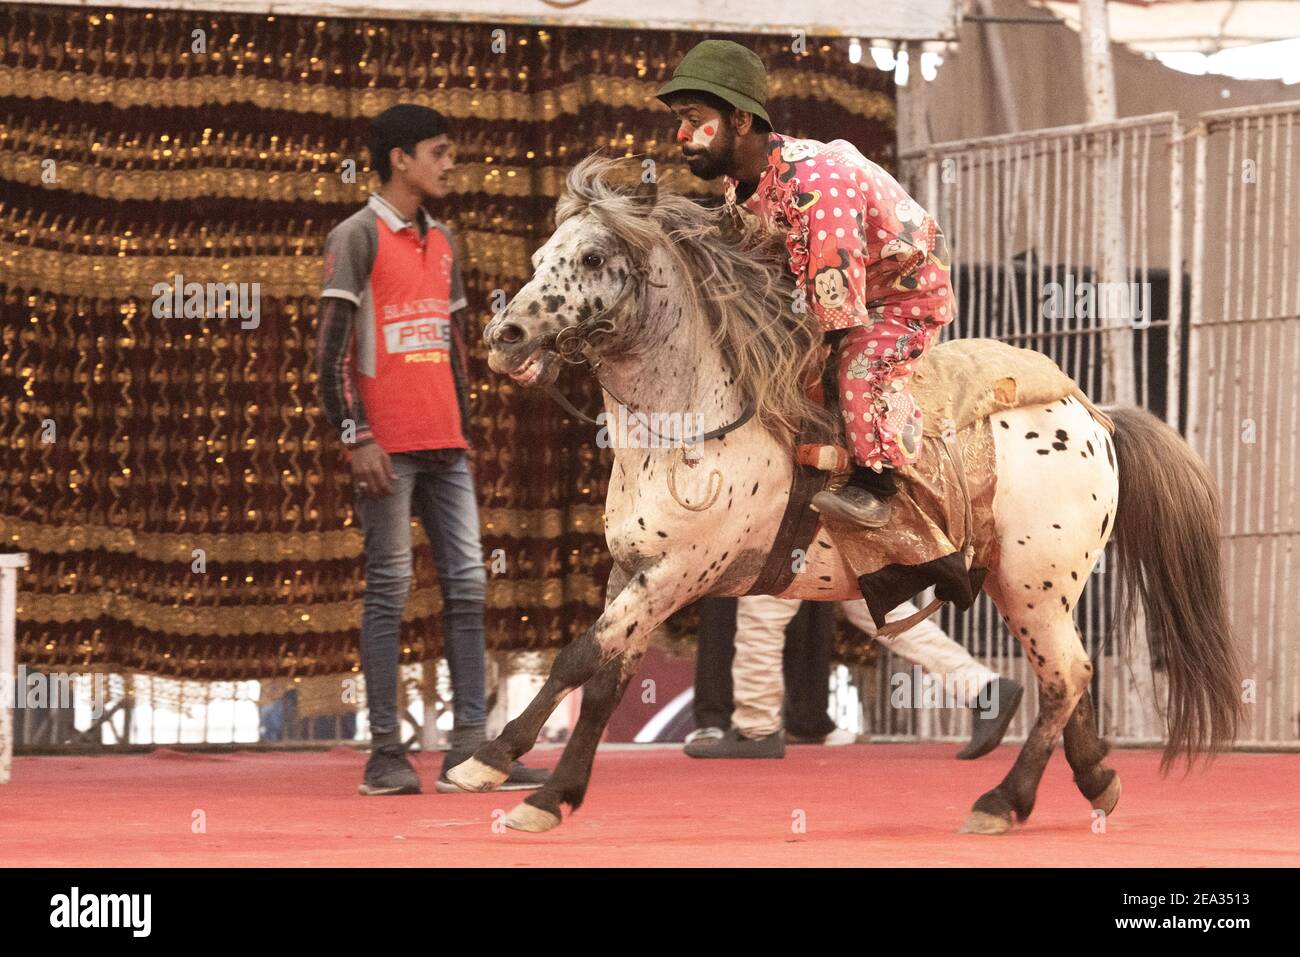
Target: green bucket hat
725, 69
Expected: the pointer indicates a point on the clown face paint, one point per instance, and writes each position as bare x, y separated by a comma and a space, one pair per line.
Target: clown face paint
705, 133
706, 146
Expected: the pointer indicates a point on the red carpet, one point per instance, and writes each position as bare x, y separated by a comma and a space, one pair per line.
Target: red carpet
870, 805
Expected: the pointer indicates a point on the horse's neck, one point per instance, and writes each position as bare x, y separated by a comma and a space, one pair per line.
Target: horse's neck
679, 369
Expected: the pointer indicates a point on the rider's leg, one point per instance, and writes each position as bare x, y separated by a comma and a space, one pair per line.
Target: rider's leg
882, 422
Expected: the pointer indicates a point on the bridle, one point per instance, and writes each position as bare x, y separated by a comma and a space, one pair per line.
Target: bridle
573, 341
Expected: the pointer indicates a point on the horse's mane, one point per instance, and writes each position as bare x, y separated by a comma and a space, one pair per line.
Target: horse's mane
734, 274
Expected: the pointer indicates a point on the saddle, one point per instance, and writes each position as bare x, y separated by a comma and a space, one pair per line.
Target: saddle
940, 531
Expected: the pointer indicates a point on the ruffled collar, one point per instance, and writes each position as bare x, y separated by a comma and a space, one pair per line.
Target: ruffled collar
780, 199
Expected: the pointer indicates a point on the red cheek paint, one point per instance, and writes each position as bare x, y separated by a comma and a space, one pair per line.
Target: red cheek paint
704, 135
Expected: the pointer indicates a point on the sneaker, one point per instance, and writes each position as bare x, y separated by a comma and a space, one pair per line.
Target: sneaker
522, 778
837, 737
735, 745
389, 772
705, 736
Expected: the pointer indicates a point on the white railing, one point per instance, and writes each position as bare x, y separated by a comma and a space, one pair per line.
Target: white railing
1243, 412
1026, 208
9, 566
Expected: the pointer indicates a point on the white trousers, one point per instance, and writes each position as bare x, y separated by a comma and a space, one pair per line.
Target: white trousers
757, 671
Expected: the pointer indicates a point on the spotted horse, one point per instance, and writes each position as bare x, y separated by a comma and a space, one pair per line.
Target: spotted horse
675, 306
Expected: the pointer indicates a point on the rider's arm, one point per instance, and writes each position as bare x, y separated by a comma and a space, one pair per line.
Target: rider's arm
866, 237
836, 272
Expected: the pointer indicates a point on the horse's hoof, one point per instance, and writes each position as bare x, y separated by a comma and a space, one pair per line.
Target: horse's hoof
474, 775
534, 820
1109, 798
982, 823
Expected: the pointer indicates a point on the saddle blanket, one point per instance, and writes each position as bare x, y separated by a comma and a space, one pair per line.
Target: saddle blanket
934, 537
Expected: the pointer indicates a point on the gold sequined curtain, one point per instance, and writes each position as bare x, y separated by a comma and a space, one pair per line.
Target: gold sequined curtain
187, 512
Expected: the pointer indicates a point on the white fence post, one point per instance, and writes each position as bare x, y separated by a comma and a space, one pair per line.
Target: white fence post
9, 565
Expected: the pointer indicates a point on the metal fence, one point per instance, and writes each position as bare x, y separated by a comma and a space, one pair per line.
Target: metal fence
1242, 396
1105, 202
95, 710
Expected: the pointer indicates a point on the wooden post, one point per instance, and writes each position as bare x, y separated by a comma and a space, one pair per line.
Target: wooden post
998, 61
9, 565
912, 126
1099, 86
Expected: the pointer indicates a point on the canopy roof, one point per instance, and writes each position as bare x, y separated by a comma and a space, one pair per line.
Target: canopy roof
1204, 26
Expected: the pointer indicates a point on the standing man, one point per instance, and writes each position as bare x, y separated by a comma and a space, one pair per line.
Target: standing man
868, 260
393, 382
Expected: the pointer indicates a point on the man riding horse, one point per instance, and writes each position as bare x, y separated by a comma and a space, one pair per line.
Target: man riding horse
678, 306
867, 259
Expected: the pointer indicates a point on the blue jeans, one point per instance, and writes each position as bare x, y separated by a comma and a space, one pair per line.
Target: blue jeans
440, 489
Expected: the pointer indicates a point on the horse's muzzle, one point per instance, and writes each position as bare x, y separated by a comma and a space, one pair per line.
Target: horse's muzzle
539, 367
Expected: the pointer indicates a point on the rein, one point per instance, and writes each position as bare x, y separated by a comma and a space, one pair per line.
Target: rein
572, 341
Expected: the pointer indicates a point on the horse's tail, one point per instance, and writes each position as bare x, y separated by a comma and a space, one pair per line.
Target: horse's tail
1167, 536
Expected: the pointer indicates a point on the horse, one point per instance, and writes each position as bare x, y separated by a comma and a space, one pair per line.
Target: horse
683, 308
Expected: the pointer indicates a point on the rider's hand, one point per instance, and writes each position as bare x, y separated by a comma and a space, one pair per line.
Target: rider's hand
372, 470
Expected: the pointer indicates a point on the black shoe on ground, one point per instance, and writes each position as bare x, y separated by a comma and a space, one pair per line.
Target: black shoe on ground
389, 772
521, 778
736, 745
991, 724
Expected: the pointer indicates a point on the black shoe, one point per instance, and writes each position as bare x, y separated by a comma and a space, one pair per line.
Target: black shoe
736, 745
992, 724
704, 737
521, 778
852, 505
389, 772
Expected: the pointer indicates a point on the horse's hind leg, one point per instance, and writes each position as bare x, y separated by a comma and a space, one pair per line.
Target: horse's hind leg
1085, 749
1046, 550
1063, 672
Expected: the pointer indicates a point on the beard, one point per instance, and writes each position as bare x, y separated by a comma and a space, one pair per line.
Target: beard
714, 160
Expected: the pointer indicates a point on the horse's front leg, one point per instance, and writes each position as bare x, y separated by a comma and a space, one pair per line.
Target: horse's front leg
540, 811
617, 637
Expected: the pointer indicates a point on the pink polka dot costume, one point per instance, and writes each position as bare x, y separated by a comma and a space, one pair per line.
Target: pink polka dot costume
867, 258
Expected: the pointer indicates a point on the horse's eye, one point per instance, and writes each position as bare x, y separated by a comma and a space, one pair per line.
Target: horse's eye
593, 260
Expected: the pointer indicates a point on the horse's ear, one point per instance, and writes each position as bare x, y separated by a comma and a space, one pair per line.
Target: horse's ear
646, 193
